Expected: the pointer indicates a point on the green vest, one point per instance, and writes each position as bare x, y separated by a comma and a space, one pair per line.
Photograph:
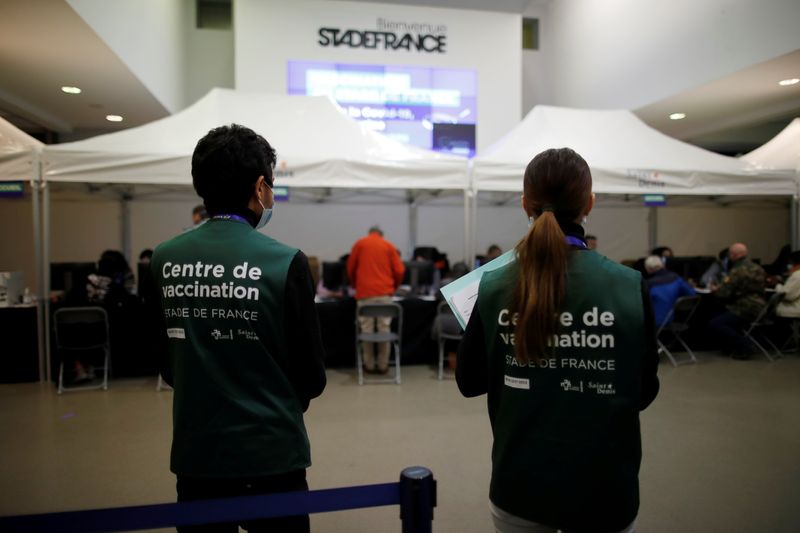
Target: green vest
235, 413
567, 446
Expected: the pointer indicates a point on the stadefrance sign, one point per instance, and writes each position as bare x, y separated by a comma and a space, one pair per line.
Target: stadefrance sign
389, 35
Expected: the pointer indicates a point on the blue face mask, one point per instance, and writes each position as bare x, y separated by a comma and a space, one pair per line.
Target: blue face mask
266, 215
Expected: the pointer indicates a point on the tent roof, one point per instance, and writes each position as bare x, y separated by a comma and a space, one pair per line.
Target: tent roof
625, 155
316, 144
782, 152
17, 150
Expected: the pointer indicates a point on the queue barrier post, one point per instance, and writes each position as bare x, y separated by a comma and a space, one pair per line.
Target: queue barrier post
417, 499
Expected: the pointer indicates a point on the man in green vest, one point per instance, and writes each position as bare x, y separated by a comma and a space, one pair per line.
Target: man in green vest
244, 348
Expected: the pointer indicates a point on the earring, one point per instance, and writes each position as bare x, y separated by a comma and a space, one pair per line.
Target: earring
585, 219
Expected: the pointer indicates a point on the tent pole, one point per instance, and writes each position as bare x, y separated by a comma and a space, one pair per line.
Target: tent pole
37, 250
413, 225
794, 221
652, 220
473, 230
467, 220
46, 274
125, 213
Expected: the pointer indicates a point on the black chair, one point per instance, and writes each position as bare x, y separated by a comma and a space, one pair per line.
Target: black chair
676, 323
764, 321
446, 328
82, 330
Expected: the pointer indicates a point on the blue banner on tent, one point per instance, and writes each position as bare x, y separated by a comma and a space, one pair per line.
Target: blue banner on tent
655, 200
12, 189
281, 194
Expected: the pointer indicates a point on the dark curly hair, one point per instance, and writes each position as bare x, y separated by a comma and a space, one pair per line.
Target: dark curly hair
226, 164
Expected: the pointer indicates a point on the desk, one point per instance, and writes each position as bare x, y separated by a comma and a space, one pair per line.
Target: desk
337, 324
20, 344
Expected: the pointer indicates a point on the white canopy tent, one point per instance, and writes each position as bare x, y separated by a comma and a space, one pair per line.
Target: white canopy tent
17, 153
626, 156
782, 152
317, 146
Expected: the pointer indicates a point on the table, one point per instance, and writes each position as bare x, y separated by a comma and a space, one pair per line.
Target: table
337, 324
20, 344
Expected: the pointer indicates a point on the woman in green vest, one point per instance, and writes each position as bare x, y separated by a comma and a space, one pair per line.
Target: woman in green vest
563, 342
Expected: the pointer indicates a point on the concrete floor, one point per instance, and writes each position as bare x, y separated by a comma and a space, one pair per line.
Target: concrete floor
721, 448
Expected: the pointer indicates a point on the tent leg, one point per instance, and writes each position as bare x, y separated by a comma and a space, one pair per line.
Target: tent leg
794, 221
467, 225
413, 226
473, 230
37, 250
125, 214
46, 274
652, 220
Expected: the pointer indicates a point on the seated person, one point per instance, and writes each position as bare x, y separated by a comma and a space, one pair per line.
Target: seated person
743, 294
665, 288
716, 273
789, 307
665, 253
112, 280
493, 252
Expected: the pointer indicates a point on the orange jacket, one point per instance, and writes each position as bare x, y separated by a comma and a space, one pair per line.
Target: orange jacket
374, 267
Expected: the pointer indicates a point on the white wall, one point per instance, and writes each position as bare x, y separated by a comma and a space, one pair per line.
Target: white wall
159, 42
705, 231
630, 53
536, 83
622, 229
209, 57
16, 238
148, 35
271, 32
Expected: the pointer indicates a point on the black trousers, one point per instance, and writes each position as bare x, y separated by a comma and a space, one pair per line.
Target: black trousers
190, 489
729, 331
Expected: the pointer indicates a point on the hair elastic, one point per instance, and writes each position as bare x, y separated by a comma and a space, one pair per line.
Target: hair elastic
548, 207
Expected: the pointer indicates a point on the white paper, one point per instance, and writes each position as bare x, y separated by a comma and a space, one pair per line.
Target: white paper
462, 293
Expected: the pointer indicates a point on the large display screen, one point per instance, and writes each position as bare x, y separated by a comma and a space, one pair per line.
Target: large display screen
434, 108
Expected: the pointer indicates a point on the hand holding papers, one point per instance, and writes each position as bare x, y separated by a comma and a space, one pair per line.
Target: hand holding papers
461, 294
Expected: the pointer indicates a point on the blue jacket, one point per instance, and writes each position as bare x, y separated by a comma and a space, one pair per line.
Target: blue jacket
665, 289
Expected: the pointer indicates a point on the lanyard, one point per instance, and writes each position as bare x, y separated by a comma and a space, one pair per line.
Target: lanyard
237, 218
575, 241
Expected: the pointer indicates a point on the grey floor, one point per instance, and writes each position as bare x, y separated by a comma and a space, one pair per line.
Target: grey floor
721, 448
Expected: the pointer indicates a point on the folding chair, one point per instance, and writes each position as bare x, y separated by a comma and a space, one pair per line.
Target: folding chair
447, 328
764, 320
677, 322
82, 330
393, 337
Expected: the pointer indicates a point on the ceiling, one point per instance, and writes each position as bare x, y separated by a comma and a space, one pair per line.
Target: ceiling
45, 44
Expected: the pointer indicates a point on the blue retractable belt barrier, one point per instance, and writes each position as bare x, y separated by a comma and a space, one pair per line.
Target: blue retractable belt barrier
416, 483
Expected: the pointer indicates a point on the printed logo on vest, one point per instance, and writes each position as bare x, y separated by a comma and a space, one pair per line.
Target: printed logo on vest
219, 336
603, 389
176, 333
518, 383
569, 387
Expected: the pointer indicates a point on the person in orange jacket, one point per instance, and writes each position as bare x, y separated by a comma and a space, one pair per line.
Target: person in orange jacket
375, 270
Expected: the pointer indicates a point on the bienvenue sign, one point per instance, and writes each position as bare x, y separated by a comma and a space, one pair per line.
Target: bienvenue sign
389, 35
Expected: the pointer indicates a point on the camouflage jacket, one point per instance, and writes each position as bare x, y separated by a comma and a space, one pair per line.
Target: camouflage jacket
743, 289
